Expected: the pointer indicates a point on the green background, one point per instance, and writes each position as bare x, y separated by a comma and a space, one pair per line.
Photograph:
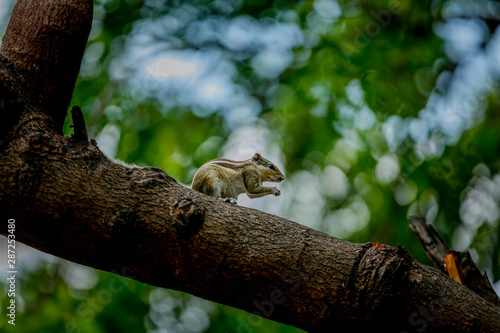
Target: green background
374, 110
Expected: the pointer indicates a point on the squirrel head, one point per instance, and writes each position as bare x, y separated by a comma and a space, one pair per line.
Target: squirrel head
269, 171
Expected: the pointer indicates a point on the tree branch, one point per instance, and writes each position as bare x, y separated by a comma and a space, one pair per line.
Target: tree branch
69, 200
45, 41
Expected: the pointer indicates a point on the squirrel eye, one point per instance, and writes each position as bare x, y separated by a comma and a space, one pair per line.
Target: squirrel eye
271, 166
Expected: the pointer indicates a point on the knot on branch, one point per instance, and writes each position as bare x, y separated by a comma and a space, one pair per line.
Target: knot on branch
11, 96
380, 277
189, 216
124, 232
149, 177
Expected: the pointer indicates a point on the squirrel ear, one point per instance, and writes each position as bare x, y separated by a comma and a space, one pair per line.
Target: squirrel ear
256, 156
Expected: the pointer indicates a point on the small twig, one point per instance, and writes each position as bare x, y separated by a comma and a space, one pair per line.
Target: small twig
80, 132
434, 245
457, 265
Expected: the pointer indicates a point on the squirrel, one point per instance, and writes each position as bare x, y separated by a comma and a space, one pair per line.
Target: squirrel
226, 179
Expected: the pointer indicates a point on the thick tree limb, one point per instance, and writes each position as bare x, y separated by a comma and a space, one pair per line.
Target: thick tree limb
68, 199
44, 42
71, 201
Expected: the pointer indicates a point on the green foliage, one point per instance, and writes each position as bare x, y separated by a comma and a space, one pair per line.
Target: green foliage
361, 103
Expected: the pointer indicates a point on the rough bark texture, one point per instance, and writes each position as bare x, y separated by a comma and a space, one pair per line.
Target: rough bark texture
44, 42
69, 200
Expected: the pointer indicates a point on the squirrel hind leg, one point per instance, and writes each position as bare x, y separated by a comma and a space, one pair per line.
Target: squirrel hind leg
218, 189
220, 194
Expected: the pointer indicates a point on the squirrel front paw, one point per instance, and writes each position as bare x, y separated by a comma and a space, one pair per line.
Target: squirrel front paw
276, 192
230, 200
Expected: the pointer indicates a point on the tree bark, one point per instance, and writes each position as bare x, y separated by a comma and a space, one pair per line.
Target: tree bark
69, 200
